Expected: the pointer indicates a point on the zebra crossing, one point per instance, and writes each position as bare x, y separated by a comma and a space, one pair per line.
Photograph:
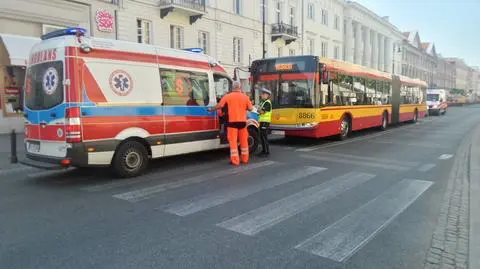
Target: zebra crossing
337, 241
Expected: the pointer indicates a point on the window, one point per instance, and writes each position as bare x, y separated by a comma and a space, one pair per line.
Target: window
292, 16
46, 28
181, 88
324, 17
12, 94
204, 41
222, 86
237, 50
278, 12
324, 49
176, 37
336, 22
311, 11
336, 52
263, 8
311, 46
37, 97
143, 31
237, 7
291, 52
279, 52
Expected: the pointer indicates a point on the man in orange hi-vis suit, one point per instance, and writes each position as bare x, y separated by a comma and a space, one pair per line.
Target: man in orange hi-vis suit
238, 103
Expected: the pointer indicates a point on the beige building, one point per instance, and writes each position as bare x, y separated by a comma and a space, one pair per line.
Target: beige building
463, 74
22, 22
445, 74
419, 60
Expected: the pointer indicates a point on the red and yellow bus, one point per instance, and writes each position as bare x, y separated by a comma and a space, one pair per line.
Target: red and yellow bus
318, 97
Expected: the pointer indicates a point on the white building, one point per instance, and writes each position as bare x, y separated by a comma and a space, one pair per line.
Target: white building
370, 40
463, 75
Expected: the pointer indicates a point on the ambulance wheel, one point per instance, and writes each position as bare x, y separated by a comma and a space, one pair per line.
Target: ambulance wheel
130, 160
253, 140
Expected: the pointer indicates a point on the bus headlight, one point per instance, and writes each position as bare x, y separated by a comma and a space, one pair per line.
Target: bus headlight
307, 124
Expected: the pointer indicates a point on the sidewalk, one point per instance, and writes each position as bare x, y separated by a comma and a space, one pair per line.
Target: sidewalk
474, 255
5, 150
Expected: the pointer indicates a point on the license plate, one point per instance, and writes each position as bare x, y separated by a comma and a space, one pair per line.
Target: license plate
278, 132
33, 147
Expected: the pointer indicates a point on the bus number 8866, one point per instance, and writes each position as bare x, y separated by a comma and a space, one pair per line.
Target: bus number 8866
305, 115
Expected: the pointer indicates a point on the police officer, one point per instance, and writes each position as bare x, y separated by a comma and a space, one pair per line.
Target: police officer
265, 110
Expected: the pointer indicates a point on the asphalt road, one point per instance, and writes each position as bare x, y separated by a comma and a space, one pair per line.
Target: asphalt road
368, 202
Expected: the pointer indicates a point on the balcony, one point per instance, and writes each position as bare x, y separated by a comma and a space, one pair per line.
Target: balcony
287, 32
195, 9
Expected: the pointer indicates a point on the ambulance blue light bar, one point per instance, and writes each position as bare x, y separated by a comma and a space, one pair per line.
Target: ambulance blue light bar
65, 32
196, 50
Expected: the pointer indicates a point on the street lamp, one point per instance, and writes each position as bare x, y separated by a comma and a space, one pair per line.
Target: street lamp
263, 29
395, 45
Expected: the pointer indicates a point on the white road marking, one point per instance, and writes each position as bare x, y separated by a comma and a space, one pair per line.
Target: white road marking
412, 144
357, 162
209, 200
269, 215
345, 237
364, 158
445, 156
118, 183
426, 167
146, 193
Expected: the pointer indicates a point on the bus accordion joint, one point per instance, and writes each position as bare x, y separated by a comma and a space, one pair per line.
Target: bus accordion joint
324, 73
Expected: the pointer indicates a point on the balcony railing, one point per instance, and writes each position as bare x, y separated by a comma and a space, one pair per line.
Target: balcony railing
198, 5
284, 29
113, 2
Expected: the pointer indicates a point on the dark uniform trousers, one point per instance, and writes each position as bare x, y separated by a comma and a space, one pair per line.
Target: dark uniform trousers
264, 127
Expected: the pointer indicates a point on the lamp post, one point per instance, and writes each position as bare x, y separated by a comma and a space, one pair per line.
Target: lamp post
263, 29
395, 45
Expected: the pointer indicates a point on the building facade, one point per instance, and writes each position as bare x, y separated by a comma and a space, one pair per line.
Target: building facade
445, 74
370, 40
462, 72
419, 60
22, 22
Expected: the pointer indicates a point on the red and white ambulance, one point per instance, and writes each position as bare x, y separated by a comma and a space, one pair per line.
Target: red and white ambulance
100, 102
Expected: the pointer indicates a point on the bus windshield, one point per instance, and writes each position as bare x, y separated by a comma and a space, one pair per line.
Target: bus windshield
433, 97
290, 79
289, 93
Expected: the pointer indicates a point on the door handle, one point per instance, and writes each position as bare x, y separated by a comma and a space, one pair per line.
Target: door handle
53, 115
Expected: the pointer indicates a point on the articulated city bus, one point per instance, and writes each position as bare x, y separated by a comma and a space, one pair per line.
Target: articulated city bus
317, 97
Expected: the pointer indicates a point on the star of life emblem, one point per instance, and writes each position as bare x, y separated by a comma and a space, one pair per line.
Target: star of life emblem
121, 83
50, 81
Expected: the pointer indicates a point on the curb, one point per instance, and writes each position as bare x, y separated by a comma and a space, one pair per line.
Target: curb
474, 176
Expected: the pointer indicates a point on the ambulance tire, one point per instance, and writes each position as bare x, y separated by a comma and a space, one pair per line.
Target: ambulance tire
130, 160
253, 139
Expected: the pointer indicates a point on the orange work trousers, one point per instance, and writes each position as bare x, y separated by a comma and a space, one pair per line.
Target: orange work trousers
234, 135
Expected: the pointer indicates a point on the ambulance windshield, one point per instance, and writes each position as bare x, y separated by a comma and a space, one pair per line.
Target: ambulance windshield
44, 85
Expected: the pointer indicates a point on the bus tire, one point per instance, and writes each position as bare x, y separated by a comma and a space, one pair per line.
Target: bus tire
384, 125
130, 159
253, 139
345, 128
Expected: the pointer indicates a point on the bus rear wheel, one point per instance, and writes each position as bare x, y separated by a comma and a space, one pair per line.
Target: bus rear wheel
344, 128
130, 160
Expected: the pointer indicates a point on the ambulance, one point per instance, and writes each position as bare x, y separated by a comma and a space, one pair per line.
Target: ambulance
101, 102
437, 101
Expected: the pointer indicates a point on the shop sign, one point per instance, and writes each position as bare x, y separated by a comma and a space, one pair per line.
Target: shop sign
104, 20
12, 91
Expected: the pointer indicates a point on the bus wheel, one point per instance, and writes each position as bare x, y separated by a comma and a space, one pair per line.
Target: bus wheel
344, 128
130, 160
253, 140
384, 125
